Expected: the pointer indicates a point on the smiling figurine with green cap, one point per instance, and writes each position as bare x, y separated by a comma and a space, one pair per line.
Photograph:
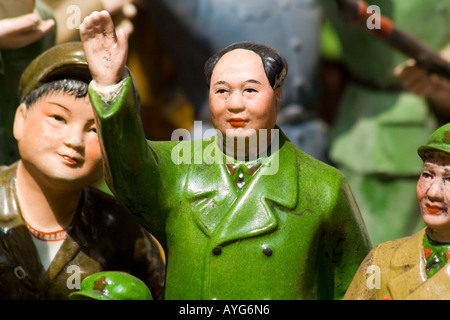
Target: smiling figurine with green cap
416, 267
55, 227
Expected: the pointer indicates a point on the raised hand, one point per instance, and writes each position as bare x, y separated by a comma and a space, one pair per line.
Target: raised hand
105, 50
18, 32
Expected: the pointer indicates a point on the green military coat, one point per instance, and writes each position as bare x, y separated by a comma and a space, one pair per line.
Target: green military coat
295, 234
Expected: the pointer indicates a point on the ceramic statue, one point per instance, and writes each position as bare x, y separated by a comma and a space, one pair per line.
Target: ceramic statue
242, 215
55, 228
415, 267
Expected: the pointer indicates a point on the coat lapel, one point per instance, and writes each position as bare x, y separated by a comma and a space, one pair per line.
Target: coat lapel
408, 257
70, 247
65, 254
435, 288
274, 185
226, 215
210, 193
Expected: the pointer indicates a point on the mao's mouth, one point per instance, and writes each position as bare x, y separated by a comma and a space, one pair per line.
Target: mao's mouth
237, 122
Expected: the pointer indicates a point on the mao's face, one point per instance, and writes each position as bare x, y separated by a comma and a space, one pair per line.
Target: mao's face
433, 192
58, 141
241, 100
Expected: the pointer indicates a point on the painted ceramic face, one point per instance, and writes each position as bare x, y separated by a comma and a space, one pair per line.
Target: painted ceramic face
241, 100
58, 141
433, 192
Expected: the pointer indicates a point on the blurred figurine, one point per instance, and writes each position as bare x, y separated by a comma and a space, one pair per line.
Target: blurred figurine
193, 30
112, 285
379, 121
70, 13
416, 267
26, 30
54, 228
233, 210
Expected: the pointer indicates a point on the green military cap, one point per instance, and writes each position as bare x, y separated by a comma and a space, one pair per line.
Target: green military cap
112, 285
438, 141
62, 61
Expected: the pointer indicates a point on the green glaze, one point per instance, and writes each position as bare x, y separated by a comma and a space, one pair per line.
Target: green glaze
436, 255
438, 141
112, 285
296, 234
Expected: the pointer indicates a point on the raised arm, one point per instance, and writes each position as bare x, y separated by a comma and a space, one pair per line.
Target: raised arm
105, 50
131, 168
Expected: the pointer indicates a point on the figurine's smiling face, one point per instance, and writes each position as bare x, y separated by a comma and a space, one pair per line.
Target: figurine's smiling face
433, 194
58, 140
241, 100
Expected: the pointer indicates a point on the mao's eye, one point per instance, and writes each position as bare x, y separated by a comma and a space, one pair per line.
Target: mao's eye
57, 118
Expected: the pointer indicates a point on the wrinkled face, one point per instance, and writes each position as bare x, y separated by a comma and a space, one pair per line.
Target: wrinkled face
58, 141
433, 192
241, 100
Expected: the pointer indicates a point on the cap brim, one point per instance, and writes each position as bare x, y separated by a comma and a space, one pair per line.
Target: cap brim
432, 147
82, 295
62, 61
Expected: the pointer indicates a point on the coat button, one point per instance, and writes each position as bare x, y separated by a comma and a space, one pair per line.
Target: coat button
217, 251
267, 251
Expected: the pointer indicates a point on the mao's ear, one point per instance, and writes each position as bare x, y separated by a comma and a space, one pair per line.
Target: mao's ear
19, 121
278, 97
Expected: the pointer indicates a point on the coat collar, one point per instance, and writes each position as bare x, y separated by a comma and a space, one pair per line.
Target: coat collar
408, 258
226, 215
413, 283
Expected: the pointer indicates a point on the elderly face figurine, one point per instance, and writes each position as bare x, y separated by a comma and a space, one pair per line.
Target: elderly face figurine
245, 88
433, 187
416, 267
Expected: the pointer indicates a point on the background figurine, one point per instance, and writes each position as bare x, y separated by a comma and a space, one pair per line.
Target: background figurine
54, 228
379, 123
416, 267
229, 224
112, 285
26, 30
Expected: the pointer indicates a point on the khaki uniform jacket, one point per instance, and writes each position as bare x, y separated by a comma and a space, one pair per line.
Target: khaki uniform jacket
396, 270
102, 237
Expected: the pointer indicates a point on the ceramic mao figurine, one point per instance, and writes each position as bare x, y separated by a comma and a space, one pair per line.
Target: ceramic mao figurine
54, 228
258, 220
415, 267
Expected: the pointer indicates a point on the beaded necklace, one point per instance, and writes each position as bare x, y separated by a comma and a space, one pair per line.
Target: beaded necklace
57, 235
